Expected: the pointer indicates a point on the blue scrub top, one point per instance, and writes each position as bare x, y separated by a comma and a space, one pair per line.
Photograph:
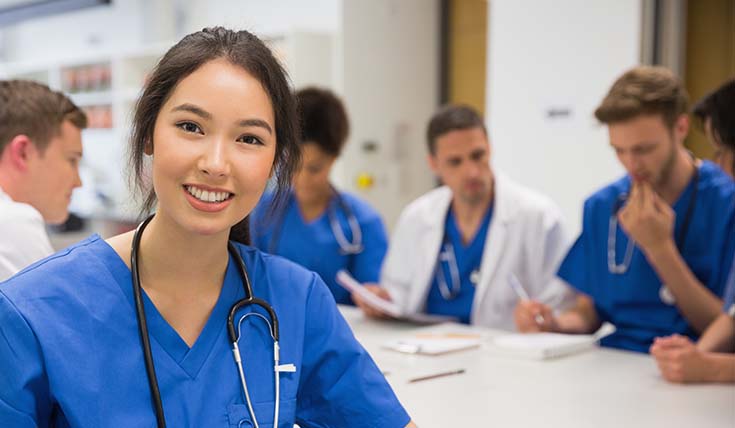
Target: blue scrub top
469, 259
313, 245
631, 300
729, 296
71, 353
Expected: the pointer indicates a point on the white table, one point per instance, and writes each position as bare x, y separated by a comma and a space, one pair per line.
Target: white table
596, 388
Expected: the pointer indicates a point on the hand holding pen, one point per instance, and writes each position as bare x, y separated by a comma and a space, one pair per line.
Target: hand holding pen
529, 315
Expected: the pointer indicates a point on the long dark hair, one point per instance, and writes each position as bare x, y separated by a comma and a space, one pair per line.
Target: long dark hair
719, 107
243, 49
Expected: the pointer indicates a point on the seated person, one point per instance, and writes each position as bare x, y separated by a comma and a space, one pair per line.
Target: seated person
40, 150
648, 259
458, 249
180, 323
319, 227
712, 359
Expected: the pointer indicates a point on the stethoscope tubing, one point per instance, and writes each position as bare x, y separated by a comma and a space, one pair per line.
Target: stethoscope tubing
346, 247
619, 269
248, 300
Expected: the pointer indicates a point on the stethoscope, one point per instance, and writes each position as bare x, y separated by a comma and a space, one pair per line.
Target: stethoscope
451, 291
249, 300
345, 246
620, 268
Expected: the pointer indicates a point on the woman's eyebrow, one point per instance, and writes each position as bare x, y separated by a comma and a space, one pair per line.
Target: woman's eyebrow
193, 109
256, 122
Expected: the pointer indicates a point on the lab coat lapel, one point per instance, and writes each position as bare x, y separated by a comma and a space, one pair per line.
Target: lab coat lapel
429, 245
503, 211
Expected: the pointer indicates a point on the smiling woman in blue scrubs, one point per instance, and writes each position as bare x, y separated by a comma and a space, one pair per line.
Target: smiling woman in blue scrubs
216, 119
650, 256
319, 227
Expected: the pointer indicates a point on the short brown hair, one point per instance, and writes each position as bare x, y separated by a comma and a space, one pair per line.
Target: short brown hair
32, 109
452, 117
644, 90
323, 119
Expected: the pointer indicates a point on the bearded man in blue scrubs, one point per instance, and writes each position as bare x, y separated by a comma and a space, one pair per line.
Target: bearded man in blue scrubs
649, 258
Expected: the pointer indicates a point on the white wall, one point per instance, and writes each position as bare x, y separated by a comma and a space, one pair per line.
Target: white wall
266, 17
132, 23
60, 37
391, 62
563, 55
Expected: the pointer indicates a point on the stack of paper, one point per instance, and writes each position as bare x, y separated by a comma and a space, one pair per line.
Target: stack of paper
387, 307
434, 343
541, 346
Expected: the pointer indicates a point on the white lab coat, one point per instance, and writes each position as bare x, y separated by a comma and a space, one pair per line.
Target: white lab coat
23, 238
525, 237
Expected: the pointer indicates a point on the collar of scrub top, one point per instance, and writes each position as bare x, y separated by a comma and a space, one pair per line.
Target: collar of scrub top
234, 336
447, 254
612, 259
345, 246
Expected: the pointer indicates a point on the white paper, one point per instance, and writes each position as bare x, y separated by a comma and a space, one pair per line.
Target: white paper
548, 345
347, 281
350, 284
434, 344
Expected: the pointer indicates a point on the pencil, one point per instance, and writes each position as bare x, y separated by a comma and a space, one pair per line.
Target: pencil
436, 375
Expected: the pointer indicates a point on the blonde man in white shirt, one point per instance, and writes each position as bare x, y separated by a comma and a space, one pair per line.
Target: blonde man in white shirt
40, 150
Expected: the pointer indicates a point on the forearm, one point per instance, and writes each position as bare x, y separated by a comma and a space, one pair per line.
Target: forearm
720, 367
581, 319
720, 336
698, 305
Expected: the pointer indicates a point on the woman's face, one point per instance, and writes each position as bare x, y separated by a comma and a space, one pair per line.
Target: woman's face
312, 179
724, 157
214, 143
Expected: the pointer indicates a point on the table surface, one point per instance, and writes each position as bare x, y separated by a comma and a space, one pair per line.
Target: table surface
600, 387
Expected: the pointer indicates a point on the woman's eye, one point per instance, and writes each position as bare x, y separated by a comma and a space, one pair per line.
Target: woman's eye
250, 139
189, 127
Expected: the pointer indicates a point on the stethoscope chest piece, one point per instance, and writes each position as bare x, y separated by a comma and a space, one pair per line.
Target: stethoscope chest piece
475, 277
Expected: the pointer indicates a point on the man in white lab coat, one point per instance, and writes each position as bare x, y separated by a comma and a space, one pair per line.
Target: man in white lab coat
40, 150
475, 246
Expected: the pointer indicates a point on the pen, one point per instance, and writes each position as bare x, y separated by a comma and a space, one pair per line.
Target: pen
434, 376
521, 292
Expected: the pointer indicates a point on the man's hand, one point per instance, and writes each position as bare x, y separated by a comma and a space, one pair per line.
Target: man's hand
647, 219
369, 310
533, 316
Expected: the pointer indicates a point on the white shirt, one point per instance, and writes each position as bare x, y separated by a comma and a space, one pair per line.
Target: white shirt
23, 238
525, 238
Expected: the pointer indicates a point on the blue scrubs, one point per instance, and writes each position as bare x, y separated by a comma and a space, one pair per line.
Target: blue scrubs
71, 354
313, 245
469, 259
631, 300
729, 296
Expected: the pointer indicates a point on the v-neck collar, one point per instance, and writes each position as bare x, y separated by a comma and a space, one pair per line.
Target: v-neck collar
451, 229
191, 359
300, 215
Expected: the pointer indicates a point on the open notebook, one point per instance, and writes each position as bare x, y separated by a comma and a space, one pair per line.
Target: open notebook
540, 346
353, 286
